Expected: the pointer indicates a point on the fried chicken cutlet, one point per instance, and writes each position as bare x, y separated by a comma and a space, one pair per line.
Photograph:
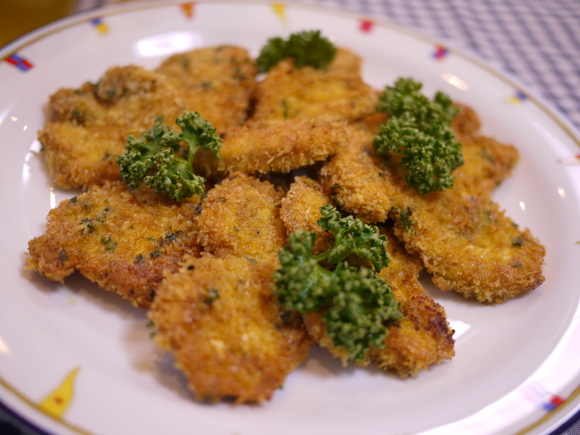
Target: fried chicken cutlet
463, 238
218, 314
241, 216
337, 93
300, 211
218, 82
226, 331
418, 340
423, 337
487, 161
123, 240
275, 146
89, 125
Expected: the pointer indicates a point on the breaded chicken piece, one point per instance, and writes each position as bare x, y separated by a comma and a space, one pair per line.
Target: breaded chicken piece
354, 177
463, 238
423, 337
275, 147
89, 125
241, 216
218, 82
225, 329
218, 315
470, 246
466, 123
123, 240
300, 211
338, 93
418, 340
487, 161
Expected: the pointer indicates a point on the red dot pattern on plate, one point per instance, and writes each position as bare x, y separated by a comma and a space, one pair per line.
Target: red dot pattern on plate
366, 26
440, 52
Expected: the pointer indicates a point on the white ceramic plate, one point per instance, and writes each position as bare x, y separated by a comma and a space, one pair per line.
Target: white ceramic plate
516, 367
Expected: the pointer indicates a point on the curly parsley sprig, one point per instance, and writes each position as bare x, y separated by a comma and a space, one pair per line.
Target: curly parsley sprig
419, 129
307, 48
153, 159
356, 303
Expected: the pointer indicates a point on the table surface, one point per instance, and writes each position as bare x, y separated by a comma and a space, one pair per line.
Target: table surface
536, 41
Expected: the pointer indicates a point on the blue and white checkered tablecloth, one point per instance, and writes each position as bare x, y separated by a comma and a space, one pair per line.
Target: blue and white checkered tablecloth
537, 41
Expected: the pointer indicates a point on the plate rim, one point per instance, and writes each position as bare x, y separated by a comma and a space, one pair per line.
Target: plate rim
554, 418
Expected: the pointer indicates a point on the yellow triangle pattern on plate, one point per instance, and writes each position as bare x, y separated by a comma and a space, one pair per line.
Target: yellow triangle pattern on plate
58, 401
280, 10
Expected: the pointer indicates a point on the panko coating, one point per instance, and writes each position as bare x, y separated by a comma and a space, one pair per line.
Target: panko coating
226, 331
414, 343
470, 246
423, 337
300, 211
488, 162
123, 240
241, 216
418, 340
355, 179
218, 315
89, 126
275, 147
218, 82
466, 123
337, 93
464, 240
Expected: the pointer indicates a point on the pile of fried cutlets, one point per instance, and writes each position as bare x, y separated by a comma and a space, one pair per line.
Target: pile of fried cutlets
294, 140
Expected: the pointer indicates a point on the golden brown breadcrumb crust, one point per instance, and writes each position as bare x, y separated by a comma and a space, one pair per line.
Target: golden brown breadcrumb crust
218, 82
275, 147
337, 93
466, 123
417, 341
464, 240
241, 216
423, 337
121, 239
300, 211
218, 315
354, 179
89, 125
227, 332
487, 164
